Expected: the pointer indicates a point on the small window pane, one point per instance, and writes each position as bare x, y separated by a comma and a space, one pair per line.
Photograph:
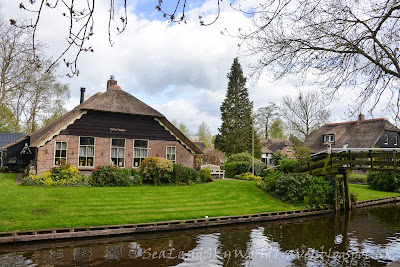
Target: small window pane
58, 145
58, 152
82, 151
121, 152
114, 152
141, 143
85, 141
137, 152
90, 151
90, 161
64, 145
118, 142
63, 153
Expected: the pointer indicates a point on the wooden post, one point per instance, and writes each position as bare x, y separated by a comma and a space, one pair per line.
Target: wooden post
370, 157
347, 201
350, 160
336, 194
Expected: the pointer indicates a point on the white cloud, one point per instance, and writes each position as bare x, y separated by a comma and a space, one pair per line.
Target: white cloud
180, 69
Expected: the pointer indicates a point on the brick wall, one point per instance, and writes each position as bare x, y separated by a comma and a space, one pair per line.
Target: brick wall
157, 148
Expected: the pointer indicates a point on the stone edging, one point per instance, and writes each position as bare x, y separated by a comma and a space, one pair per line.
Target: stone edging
109, 230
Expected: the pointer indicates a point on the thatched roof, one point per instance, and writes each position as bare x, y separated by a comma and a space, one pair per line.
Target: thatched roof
200, 144
359, 134
275, 144
113, 100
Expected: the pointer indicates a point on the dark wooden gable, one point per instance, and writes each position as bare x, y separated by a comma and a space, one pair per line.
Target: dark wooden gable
391, 140
18, 156
108, 125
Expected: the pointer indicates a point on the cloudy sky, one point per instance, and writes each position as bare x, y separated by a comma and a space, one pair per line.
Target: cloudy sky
179, 69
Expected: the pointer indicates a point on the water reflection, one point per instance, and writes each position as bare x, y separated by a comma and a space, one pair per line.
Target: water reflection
369, 237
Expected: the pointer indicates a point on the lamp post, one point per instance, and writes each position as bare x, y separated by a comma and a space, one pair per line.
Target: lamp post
252, 139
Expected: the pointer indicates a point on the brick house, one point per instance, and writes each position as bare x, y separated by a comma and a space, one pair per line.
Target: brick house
270, 146
372, 133
110, 128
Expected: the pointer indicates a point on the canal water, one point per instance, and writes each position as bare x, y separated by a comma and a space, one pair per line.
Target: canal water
365, 237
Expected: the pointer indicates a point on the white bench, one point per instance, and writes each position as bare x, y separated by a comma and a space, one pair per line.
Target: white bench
215, 170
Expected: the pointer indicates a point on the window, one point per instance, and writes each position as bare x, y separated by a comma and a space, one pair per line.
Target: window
140, 148
86, 151
289, 148
386, 139
395, 140
329, 138
171, 153
60, 155
118, 152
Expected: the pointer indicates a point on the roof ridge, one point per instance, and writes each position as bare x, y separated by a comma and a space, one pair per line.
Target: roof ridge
349, 122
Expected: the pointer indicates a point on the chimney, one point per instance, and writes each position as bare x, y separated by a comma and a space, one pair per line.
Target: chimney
361, 117
111, 82
82, 95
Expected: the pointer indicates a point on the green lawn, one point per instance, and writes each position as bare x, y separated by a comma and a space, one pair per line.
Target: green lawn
26, 207
365, 192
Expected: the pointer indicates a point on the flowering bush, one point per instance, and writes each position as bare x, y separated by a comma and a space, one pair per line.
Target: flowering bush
248, 176
156, 169
59, 176
107, 175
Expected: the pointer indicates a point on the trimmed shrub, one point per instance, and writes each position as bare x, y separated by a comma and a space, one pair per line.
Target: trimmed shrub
205, 175
358, 178
156, 169
260, 167
107, 175
384, 180
244, 156
236, 168
289, 165
299, 188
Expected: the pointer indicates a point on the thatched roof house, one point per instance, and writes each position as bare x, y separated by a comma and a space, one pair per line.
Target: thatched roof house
355, 134
112, 127
270, 146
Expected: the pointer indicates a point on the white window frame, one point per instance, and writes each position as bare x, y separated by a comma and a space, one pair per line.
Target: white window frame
166, 153
395, 140
118, 148
289, 148
60, 157
140, 149
94, 152
386, 139
331, 138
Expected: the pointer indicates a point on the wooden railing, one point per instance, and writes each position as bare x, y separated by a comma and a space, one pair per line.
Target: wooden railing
365, 159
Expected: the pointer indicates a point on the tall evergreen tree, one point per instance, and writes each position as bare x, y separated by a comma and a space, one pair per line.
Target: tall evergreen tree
235, 133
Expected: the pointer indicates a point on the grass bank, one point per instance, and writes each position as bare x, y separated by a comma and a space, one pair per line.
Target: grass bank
26, 207
365, 192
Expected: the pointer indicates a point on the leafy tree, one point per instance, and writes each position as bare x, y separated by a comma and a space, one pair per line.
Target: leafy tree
235, 133
204, 134
295, 140
264, 118
7, 119
346, 45
276, 131
303, 155
181, 127
304, 112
